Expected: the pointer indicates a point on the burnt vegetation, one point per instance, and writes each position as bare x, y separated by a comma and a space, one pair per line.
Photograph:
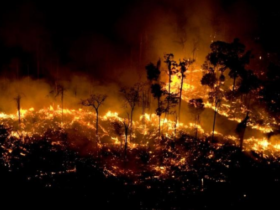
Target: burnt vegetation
161, 161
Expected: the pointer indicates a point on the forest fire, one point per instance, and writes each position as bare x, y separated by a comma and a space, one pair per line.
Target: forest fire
140, 104
38, 122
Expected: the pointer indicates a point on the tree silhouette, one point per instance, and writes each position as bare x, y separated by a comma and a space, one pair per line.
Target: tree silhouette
171, 69
230, 56
211, 67
153, 71
183, 67
118, 129
240, 129
127, 124
249, 85
157, 92
95, 101
153, 75
132, 98
236, 60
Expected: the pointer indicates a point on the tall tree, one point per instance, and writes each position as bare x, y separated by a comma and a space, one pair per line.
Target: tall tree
95, 101
183, 67
157, 93
171, 69
213, 65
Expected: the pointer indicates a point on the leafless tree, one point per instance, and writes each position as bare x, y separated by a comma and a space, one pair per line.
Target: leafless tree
95, 101
132, 98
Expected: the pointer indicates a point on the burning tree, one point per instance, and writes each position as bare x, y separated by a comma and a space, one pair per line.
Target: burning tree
18, 100
126, 124
240, 129
212, 66
121, 127
153, 73
157, 92
95, 101
183, 67
171, 67
118, 129
132, 98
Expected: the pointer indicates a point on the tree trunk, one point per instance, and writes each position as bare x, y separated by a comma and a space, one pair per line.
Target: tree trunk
130, 138
180, 99
125, 144
197, 121
214, 122
169, 90
159, 119
18, 106
159, 127
144, 101
62, 105
96, 125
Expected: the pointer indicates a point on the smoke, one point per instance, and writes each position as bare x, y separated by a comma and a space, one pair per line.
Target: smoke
117, 48
102, 48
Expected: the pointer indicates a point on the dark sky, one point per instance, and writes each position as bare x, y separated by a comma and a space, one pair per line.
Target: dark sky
110, 38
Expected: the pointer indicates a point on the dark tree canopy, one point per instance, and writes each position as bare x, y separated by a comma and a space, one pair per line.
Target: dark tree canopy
153, 71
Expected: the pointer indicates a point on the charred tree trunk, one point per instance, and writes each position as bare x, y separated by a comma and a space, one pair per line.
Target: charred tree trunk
175, 126
159, 127
125, 144
180, 99
18, 107
214, 122
62, 95
144, 102
197, 121
130, 138
159, 119
169, 92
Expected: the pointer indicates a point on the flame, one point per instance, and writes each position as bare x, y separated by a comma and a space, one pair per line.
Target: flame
147, 124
